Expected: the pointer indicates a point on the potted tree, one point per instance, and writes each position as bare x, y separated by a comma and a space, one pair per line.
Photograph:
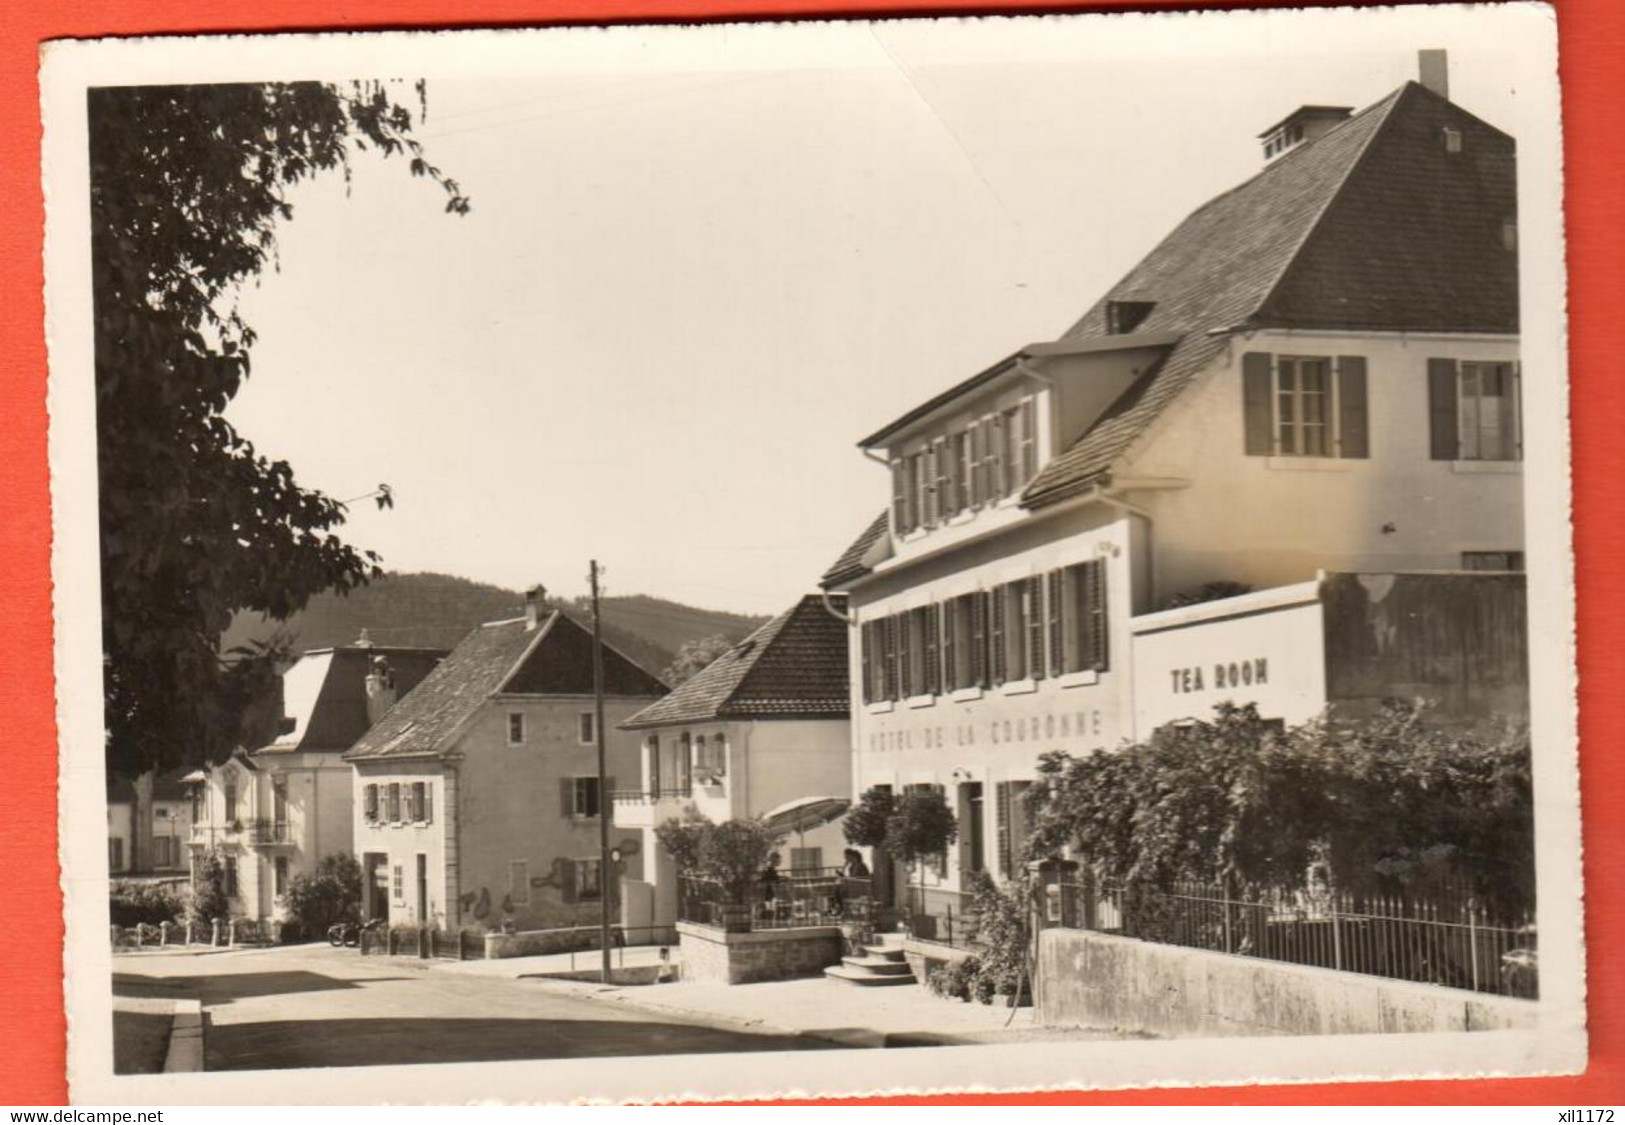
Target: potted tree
920, 827
734, 854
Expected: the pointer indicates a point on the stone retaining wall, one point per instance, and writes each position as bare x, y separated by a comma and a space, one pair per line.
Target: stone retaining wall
710, 954
529, 943
1100, 980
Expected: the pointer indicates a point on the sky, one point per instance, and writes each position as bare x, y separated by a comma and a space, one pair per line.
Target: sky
703, 262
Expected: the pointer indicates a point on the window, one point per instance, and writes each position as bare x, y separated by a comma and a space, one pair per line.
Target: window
115, 853
1077, 618
806, 859
579, 796
231, 876
924, 488
393, 802
231, 799
944, 491
1123, 317
518, 882
1012, 826
1016, 631
1304, 406
1492, 560
279, 801
280, 886
197, 803
584, 729
963, 627
397, 884
1473, 411
369, 803
516, 728
712, 755
419, 803
165, 853
653, 746
589, 883
961, 469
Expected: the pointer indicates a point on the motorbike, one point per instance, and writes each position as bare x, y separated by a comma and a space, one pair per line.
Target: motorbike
342, 934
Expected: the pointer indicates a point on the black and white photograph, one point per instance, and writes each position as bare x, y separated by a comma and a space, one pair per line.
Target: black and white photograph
822, 558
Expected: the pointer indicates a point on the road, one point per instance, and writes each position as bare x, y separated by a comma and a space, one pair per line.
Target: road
300, 1006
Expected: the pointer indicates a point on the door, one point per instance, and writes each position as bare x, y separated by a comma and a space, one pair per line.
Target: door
971, 794
423, 888
377, 879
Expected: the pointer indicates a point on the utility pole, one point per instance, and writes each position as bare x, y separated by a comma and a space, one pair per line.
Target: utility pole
604, 871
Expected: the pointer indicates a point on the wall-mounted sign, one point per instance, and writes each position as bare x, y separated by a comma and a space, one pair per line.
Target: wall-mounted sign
1221, 676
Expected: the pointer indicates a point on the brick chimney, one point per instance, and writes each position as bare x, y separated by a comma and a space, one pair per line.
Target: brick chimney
1433, 71
380, 689
535, 605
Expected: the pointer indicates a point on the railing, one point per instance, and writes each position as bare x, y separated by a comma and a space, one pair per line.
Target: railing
1449, 942
646, 796
940, 915
208, 834
269, 832
816, 897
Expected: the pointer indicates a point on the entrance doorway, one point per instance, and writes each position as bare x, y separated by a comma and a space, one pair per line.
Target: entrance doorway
970, 803
376, 871
423, 888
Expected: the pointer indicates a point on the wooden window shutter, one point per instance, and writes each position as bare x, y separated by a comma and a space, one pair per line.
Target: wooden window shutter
866, 647
933, 652
1035, 627
1057, 633
978, 644
1006, 850
978, 464
428, 803
950, 610
1443, 429
887, 628
998, 471
1353, 423
1094, 601
899, 496
905, 655
1255, 403
567, 787
1029, 438
995, 643
940, 462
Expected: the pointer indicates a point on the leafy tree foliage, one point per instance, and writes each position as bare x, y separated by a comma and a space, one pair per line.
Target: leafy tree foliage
921, 826
187, 185
209, 900
1004, 916
694, 657
329, 894
865, 823
734, 853
1391, 804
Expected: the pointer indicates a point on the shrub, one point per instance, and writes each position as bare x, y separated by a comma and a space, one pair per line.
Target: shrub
1003, 925
134, 904
1388, 804
734, 853
330, 894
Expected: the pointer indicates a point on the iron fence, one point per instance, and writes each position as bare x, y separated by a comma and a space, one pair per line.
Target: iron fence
812, 897
1447, 941
941, 915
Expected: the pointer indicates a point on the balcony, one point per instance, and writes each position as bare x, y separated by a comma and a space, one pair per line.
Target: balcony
645, 808
268, 833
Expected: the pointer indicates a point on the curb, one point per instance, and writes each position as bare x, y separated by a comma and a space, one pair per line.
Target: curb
845, 1037
185, 1053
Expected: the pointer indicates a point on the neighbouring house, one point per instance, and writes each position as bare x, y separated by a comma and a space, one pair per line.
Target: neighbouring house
275, 811
1279, 462
761, 729
476, 800
148, 825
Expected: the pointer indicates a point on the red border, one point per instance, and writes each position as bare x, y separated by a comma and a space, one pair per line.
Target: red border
32, 1070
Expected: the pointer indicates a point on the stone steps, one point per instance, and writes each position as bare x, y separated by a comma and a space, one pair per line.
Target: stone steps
880, 964
866, 978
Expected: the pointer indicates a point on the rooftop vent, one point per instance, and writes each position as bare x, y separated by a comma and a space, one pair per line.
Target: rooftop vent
1301, 126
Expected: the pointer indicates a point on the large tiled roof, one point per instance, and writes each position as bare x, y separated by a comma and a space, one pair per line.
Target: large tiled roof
795, 666
555, 658
1372, 226
332, 714
851, 563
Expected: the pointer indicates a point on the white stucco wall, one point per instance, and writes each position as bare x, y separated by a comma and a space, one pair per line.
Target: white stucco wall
400, 842
1271, 521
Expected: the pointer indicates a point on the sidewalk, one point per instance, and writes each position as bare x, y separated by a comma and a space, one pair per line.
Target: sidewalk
844, 1014
642, 960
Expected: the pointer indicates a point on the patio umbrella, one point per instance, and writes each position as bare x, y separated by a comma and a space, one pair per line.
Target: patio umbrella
805, 813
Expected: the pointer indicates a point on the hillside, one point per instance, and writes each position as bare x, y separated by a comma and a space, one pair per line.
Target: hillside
437, 610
